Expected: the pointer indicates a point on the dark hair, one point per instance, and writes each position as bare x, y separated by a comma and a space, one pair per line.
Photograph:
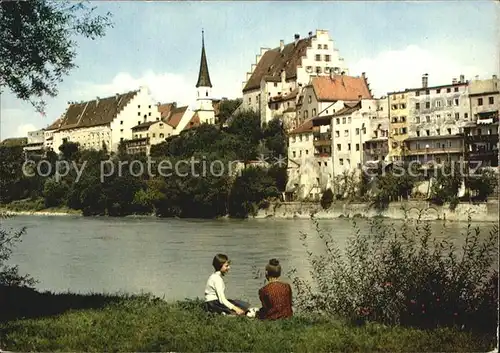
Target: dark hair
219, 260
273, 268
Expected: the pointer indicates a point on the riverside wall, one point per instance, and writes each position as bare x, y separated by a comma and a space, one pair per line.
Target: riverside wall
480, 212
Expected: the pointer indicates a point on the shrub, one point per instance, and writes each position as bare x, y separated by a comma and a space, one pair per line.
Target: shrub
327, 199
403, 276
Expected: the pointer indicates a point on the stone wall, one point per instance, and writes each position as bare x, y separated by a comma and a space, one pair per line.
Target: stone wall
481, 212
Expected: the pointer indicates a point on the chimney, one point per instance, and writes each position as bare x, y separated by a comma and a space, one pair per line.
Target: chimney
425, 80
283, 76
310, 34
297, 36
363, 74
462, 78
282, 45
454, 81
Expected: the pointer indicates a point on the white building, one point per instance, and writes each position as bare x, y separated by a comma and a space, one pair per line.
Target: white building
35, 142
285, 69
106, 121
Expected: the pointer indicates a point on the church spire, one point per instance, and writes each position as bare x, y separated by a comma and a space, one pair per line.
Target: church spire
203, 76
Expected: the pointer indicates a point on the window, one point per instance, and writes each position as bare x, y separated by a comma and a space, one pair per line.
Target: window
449, 131
491, 100
349, 120
427, 91
300, 153
121, 130
138, 113
314, 112
417, 119
338, 121
418, 134
427, 105
318, 57
337, 133
449, 102
307, 152
357, 147
339, 147
348, 146
325, 46
294, 154
318, 69
319, 46
341, 161
121, 122
428, 118
466, 115
357, 131
154, 135
456, 89
448, 90
480, 101
417, 93
346, 133
327, 57
343, 120
402, 106
149, 114
438, 103
138, 106
456, 101
139, 123
457, 116
427, 132
417, 106
402, 119
438, 90
162, 135
309, 99
305, 114
438, 132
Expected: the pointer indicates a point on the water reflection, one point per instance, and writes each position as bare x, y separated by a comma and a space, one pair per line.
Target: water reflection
170, 258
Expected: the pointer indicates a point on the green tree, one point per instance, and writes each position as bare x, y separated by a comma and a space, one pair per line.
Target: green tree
55, 193
275, 138
38, 44
227, 108
70, 150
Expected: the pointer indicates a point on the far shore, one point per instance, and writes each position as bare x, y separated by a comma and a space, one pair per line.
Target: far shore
485, 212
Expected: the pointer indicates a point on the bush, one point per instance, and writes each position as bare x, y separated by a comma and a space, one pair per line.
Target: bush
327, 199
9, 274
403, 276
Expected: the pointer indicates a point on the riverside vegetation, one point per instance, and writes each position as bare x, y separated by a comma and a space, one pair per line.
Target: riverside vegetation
391, 289
242, 139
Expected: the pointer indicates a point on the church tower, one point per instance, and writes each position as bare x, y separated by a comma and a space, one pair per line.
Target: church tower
204, 105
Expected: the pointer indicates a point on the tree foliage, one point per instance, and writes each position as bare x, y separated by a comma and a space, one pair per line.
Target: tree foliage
37, 44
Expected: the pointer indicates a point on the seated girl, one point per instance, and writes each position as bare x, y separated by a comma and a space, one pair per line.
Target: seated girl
275, 296
215, 298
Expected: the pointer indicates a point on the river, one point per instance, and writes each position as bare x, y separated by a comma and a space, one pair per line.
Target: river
170, 258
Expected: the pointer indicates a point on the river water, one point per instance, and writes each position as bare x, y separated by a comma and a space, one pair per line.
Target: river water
170, 258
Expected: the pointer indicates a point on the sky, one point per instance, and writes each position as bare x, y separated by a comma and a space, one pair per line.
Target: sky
158, 44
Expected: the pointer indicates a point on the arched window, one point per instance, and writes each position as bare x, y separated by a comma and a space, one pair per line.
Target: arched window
162, 136
206, 93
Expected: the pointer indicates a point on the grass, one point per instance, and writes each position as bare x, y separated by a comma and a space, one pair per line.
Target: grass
35, 206
72, 322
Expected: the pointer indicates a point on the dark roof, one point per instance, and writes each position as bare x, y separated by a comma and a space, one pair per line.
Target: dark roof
175, 116
55, 125
438, 137
304, 128
14, 141
274, 61
144, 125
203, 76
95, 112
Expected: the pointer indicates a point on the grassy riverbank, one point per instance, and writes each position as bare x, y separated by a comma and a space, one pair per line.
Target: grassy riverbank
71, 322
37, 207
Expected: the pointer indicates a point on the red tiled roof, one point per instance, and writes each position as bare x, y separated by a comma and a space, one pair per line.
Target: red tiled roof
94, 113
175, 116
304, 128
194, 122
165, 109
273, 62
340, 87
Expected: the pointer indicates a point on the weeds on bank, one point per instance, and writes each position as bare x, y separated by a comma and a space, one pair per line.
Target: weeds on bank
404, 276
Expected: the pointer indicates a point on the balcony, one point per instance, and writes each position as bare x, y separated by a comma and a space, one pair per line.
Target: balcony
492, 138
322, 139
322, 154
424, 151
